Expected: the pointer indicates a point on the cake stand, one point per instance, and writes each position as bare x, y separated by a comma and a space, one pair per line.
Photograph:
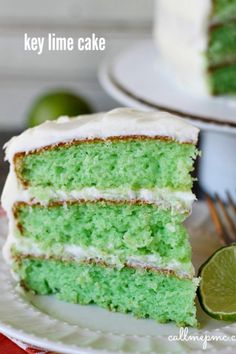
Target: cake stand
137, 77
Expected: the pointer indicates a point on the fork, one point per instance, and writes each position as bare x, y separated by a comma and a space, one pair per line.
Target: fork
223, 216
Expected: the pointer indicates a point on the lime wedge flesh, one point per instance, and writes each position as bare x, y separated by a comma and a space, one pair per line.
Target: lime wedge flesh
217, 290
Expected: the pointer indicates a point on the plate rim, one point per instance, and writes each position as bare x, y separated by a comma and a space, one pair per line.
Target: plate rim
117, 90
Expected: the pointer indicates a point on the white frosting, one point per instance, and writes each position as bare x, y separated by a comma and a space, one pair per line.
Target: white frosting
118, 122
13, 192
180, 33
78, 254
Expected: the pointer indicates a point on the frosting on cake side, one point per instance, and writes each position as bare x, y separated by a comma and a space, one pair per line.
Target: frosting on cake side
180, 32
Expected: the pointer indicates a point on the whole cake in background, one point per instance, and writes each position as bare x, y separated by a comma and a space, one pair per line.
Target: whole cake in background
197, 41
96, 206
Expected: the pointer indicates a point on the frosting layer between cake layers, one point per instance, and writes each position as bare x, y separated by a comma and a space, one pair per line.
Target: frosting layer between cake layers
116, 233
175, 202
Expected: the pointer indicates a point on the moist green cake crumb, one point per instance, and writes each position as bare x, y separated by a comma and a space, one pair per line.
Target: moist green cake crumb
121, 229
135, 164
224, 10
222, 44
145, 294
223, 80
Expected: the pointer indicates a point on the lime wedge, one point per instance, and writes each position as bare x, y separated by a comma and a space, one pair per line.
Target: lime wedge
217, 290
57, 103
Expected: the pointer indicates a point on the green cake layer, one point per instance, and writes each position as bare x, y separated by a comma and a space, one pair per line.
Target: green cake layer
221, 53
135, 163
224, 10
222, 44
223, 80
122, 229
143, 293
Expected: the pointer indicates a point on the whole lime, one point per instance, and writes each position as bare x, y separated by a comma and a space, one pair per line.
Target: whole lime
54, 104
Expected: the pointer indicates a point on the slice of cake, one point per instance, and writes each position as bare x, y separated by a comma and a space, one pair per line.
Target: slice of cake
197, 41
96, 206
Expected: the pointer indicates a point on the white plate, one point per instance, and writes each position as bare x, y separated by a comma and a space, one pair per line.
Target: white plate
137, 77
66, 328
